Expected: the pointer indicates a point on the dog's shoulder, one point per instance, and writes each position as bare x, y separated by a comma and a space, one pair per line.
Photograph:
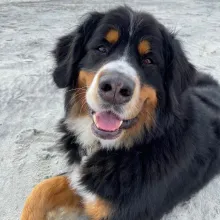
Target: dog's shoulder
205, 94
201, 109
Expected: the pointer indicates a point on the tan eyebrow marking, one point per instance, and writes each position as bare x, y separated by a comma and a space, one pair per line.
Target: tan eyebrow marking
112, 36
144, 47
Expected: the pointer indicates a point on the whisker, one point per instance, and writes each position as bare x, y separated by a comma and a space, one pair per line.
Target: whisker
80, 100
72, 101
82, 106
81, 88
77, 95
80, 93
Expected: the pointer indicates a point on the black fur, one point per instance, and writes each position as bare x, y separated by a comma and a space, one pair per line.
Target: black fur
68, 144
180, 154
70, 50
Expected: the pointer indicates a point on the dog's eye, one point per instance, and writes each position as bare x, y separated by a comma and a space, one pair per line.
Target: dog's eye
147, 61
102, 49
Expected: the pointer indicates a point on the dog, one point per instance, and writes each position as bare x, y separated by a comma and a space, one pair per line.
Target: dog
141, 127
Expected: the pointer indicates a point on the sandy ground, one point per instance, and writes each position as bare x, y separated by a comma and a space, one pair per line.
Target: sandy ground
30, 105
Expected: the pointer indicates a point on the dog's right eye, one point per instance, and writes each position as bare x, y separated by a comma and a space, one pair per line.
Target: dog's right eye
102, 49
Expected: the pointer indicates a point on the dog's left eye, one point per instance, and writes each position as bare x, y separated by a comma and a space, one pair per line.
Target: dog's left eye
147, 61
102, 49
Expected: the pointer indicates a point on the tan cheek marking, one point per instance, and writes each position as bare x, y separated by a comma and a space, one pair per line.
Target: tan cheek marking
146, 117
149, 95
80, 107
85, 79
97, 210
49, 195
144, 47
112, 36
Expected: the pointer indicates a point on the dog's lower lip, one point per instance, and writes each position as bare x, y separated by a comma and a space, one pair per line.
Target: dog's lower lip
107, 135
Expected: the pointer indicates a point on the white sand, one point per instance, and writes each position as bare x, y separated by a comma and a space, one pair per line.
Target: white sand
30, 105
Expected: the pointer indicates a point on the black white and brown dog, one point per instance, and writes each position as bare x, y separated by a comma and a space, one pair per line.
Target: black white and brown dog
141, 126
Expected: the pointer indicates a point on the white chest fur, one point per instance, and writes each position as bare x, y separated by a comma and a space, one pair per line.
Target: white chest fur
75, 178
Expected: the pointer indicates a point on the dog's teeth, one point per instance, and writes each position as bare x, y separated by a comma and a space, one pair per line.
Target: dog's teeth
120, 123
94, 119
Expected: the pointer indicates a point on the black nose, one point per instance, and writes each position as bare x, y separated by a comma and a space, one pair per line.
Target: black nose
115, 88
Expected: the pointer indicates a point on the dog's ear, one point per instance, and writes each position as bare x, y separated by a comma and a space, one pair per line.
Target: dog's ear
70, 49
179, 72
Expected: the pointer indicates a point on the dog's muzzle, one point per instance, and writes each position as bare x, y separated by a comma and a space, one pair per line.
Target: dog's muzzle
115, 88
110, 97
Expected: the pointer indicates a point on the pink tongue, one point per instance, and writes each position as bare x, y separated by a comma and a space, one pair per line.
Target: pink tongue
107, 121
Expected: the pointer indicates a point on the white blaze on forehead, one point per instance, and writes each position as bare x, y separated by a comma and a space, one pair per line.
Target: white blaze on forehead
131, 14
121, 66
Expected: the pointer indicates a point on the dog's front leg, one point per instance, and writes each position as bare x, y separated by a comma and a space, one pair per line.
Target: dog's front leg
49, 196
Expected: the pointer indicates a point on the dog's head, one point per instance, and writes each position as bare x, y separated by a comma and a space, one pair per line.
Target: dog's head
123, 71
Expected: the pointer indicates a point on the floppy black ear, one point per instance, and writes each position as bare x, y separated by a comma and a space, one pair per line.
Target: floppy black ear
70, 49
179, 72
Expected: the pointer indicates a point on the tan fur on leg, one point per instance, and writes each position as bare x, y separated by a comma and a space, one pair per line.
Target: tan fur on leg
49, 196
98, 209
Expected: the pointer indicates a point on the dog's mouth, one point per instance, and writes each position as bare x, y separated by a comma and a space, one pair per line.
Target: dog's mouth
108, 125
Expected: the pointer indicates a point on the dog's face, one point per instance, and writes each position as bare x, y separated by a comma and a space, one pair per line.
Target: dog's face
114, 67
